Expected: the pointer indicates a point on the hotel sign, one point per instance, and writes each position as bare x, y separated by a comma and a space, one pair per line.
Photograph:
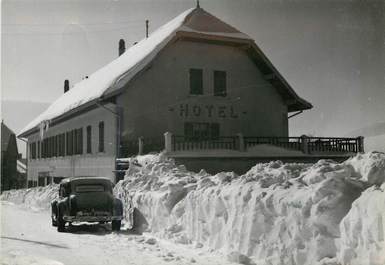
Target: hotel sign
210, 111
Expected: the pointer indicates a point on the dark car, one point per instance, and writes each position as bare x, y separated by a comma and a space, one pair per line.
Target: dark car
86, 199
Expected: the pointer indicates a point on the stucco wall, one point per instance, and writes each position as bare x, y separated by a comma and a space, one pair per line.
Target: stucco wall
99, 164
156, 101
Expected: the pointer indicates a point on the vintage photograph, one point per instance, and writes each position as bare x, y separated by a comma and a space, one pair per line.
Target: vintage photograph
181, 132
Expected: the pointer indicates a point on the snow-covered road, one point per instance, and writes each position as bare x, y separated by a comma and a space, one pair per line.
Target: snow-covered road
27, 237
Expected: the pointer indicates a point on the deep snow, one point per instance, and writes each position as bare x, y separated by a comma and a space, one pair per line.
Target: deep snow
27, 238
323, 213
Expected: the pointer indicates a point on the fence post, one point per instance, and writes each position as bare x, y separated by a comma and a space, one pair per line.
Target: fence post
304, 144
241, 142
360, 143
168, 142
140, 145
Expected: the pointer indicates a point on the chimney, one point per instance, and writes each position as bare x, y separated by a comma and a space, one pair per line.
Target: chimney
122, 47
66, 85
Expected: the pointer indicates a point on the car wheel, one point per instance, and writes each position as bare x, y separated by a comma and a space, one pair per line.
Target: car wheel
60, 222
115, 225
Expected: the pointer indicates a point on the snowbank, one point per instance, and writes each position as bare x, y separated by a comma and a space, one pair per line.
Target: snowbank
325, 213
275, 214
38, 198
362, 229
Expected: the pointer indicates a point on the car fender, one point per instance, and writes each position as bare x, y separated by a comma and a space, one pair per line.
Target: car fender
72, 205
62, 206
54, 208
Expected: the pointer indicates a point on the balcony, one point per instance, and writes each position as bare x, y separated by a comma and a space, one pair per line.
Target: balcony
240, 145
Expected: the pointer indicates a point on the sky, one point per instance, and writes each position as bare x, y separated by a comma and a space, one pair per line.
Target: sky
332, 52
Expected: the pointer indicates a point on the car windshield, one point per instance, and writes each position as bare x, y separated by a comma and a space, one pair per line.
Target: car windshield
89, 188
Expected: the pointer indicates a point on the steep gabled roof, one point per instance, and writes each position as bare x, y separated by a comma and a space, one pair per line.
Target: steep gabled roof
193, 23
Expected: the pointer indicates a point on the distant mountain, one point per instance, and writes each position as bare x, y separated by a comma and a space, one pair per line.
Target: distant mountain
17, 114
375, 129
374, 136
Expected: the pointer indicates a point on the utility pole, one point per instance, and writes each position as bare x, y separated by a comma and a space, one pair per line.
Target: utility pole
146, 28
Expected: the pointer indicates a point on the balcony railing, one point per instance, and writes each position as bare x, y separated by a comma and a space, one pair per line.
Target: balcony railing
304, 144
328, 144
183, 143
293, 143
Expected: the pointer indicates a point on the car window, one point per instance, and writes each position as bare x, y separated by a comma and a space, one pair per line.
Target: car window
89, 188
64, 190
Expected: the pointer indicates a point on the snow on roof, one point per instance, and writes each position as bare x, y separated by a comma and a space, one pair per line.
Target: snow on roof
128, 64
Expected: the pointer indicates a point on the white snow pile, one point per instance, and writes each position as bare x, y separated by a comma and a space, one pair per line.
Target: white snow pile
362, 230
38, 198
325, 213
274, 214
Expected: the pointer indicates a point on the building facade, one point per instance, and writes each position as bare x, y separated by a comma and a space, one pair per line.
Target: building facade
196, 77
10, 179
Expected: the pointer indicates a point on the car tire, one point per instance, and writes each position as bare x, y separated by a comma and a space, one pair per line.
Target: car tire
115, 225
60, 222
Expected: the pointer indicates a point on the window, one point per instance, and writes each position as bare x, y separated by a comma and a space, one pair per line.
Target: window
196, 81
48, 142
50, 148
43, 143
201, 130
59, 145
101, 136
30, 183
214, 130
74, 142
220, 83
38, 149
65, 190
69, 142
33, 150
79, 141
89, 135
89, 188
56, 146
52, 138
62, 144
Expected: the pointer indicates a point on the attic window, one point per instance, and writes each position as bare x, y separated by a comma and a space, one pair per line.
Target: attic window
220, 83
196, 81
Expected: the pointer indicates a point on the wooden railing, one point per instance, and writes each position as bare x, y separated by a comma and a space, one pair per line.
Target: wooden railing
304, 144
183, 143
293, 143
329, 144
